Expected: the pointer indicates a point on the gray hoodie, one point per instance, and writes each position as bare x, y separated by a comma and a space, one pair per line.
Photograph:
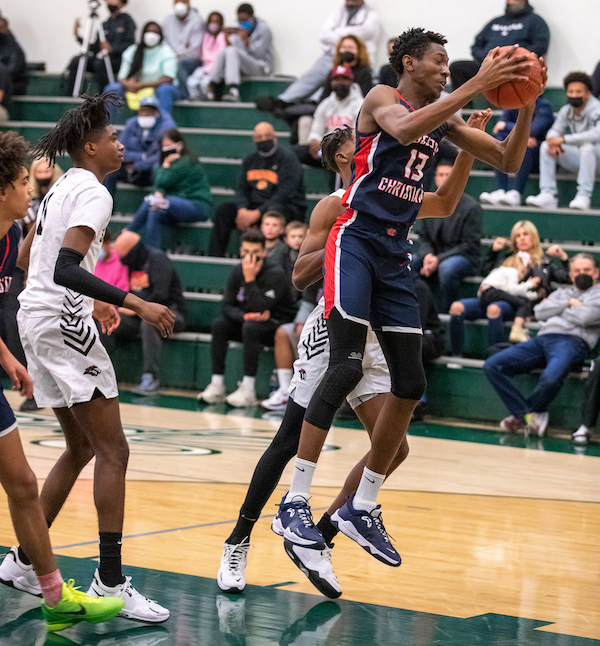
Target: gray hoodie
584, 129
260, 44
558, 318
184, 36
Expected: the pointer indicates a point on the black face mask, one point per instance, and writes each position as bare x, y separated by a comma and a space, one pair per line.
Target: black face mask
346, 57
583, 282
113, 8
341, 91
44, 183
512, 11
165, 153
575, 101
266, 147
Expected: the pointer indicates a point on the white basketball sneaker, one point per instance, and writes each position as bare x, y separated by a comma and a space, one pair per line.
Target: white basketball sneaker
493, 197
232, 571
213, 394
243, 396
15, 574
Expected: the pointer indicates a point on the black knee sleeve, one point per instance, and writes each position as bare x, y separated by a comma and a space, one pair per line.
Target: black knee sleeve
405, 363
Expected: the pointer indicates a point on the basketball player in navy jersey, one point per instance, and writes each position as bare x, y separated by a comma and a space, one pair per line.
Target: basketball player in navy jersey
367, 266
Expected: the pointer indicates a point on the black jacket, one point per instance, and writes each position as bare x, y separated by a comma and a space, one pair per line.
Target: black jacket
456, 235
526, 28
12, 59
120, 34
270, 291
269, 182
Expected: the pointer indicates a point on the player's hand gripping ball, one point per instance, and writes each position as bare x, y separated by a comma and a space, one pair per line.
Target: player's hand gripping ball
516, 94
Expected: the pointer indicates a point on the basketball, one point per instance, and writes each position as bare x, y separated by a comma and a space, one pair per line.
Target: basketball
515, 94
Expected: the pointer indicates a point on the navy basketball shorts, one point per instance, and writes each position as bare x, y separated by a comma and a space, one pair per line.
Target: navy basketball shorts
8, 421
368, 278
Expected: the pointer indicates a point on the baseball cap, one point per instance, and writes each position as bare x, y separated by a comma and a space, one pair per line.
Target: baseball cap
150, 100
341, 70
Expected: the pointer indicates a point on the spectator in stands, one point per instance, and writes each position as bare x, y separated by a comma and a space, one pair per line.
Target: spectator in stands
387, 74
271, 179
109, 266
570, 328
152, 277
295, 232
181, 192
542, 120
590, 406
150, 67
272, 225
249, 52
257, 301
449, 247
183, 32
527, 258
356, 17
519, 25
596, 80
119, 31
213, 41
13, 68
142, 138
576, 151
339, 109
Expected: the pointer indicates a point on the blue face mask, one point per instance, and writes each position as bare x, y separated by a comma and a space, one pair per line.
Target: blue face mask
102, 254
247, 24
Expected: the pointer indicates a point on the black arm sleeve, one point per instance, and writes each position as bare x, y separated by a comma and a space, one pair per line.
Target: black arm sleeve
68, 273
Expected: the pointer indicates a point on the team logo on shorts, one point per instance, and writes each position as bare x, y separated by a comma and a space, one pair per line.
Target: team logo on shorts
355, 355
94, 371
392, 232
302, 374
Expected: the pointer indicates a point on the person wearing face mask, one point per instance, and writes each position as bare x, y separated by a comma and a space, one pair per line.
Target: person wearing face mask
570, 328
150, 67
181, 192
573, 143
519, 25
13, 69
339, 109
213, 41
142, 138
119, 31
271, 180
183, 31
249, 52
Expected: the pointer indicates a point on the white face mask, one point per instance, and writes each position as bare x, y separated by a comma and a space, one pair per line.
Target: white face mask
151, 39
146, 122
180, 9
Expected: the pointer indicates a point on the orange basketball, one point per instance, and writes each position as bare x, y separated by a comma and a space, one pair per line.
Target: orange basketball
516, 94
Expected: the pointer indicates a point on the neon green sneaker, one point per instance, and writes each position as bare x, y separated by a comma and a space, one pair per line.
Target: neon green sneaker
76, 606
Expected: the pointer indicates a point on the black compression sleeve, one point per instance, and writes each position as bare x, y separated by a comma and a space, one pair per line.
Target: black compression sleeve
68, 273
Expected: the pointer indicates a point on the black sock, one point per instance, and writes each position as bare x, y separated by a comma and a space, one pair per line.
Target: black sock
242, 530
110, 559
327, 529
23, 557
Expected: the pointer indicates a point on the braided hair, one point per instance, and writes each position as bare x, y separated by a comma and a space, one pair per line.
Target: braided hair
331, 143
13, 150
413, 42
76, 127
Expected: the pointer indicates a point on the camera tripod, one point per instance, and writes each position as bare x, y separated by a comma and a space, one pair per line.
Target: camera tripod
93, 28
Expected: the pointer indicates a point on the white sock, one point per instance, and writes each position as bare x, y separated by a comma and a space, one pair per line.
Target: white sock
368, 488
217, 380
582, 430
248, 382
303, 475
284, 376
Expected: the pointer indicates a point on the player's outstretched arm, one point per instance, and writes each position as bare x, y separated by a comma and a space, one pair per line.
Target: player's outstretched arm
444, 201
308, 268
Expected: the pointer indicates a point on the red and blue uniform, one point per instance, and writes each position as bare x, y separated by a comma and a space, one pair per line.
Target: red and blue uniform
367, 257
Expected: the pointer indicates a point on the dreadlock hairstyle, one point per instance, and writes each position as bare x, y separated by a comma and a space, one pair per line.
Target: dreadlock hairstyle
138, 58
76, 127
413, 42
13, 150
331, 143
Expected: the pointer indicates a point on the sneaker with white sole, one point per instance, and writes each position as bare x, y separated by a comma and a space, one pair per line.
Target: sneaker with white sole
232, 571
15, 574
512, 424
137, 606
294, 522
518, 334
149, 385
580, 203
537, 423
277, 401
213, 393
582, 436
492, 198
542, 201
511, 198
243, 396
366, 528
316, 565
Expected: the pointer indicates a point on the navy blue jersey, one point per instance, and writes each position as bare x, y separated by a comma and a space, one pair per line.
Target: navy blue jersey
9, 247
387, 182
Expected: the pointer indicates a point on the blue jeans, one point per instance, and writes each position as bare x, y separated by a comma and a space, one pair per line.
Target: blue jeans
180, 210
557, 352
167, 94
473, 309
450, 272
185, 69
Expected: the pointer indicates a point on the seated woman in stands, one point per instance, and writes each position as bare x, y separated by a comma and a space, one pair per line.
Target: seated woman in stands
181, 192
213, 41
150, 67
513, 286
